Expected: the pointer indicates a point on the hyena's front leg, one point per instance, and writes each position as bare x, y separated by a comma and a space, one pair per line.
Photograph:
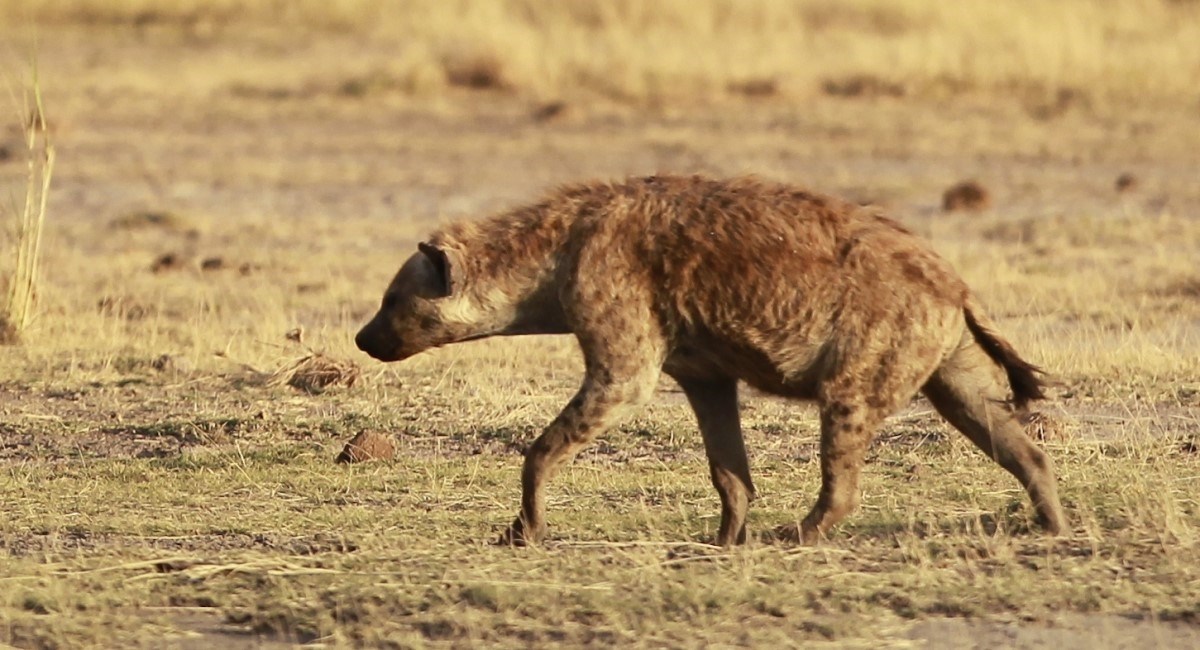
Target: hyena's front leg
623, 351
716, 406
602, 400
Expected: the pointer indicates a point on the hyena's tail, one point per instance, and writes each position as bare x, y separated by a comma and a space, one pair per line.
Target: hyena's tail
1024, 377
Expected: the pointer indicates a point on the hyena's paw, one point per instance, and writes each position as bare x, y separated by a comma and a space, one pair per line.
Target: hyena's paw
518, 534
793, 533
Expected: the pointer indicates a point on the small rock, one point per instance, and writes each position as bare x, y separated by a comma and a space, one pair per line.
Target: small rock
149, 219
967, 195
863, 85
172, 364
166, 262
1126, 182
311, 287
756, 88
212, 264
551, 111
367, 445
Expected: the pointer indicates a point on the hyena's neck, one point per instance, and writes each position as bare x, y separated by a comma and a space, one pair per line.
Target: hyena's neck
510, 262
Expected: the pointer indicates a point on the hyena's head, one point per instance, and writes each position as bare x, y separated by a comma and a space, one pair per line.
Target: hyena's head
428, 304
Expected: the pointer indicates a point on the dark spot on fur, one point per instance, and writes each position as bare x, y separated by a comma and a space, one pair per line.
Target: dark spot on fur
840, 410
914, 272
844, 250
881, 388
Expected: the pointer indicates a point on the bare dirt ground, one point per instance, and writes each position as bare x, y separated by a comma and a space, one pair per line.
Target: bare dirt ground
162, 488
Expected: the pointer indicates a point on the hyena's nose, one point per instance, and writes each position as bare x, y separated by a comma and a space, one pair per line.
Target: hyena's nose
377, 342
365, 340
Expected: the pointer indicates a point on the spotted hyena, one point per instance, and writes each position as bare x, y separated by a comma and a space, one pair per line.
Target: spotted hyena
712, 282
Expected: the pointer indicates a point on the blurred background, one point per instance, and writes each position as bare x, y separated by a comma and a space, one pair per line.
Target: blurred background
282, 91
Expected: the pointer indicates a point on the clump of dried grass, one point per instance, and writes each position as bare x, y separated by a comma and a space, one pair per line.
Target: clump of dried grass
315, 372
1042, 426
17, 310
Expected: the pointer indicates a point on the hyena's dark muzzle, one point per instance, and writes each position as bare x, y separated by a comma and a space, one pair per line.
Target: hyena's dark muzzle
375, 340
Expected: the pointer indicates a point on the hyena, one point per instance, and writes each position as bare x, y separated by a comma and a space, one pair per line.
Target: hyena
715, 281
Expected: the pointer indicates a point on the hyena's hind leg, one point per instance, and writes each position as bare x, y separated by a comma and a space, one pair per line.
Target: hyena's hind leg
854, 401
966, 390
847, 429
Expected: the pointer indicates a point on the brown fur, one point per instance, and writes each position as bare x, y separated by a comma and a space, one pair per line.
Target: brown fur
712, 282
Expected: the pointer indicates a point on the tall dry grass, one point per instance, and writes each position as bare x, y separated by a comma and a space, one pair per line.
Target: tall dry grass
28, 216
1074, 50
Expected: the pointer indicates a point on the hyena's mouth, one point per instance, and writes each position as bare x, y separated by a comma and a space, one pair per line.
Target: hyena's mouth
386, 357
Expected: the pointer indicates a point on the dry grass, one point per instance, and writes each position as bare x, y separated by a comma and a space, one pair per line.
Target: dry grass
28, 217
263, 534
1052, 56
158, 489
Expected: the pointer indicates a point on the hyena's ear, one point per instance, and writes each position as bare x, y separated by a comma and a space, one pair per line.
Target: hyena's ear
448, 271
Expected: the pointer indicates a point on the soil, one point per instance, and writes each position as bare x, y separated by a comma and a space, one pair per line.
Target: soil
1067, 632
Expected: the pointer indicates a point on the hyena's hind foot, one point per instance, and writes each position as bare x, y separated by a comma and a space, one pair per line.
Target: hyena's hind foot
966, 392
